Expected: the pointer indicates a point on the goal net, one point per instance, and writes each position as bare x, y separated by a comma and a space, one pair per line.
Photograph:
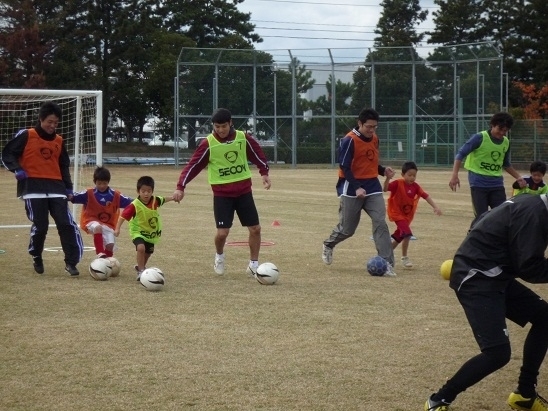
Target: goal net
80, 126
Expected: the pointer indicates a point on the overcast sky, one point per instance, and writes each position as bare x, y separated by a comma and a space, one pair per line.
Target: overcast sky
314, 26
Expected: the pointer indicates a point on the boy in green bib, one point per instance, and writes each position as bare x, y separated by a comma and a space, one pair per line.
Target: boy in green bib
145, 223
534, 181
226, 153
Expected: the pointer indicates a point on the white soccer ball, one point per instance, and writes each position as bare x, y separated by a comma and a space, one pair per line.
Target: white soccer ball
115, 266
267, 274
100, 269
152, 279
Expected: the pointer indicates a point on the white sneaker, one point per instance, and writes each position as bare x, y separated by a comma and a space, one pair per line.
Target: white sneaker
327, 255
219, 265
406, 262
138, 272
251, 272
390, 271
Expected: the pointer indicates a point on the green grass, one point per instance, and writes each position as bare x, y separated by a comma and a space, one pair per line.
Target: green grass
322, 338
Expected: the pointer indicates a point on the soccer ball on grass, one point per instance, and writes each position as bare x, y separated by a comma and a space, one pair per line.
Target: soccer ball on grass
445, 269
267, 274
100, 269
152, 279
377, 266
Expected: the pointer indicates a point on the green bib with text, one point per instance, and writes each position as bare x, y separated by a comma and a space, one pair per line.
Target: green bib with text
227, 161
487, 159
147, 223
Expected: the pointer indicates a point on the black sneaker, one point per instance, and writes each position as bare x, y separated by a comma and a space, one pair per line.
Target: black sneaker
72, 270
38, 265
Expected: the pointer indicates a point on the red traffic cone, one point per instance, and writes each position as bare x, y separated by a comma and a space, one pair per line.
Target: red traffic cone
275, 223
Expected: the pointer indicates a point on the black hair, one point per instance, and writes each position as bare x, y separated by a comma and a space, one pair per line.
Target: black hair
49, 108
368, 114
538, 166
101, 174
221, 115
504, 120
408, 165
145, 181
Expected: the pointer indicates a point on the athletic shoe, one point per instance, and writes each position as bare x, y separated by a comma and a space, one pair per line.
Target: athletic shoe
390, 271
138, 272
517, 402
432, 405
219, 265
406, 262
102, 255
251, 272
38, 265
327, 255
72, 270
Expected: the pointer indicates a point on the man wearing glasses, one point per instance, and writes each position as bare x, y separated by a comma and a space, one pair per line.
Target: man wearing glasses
487, 154
359, 189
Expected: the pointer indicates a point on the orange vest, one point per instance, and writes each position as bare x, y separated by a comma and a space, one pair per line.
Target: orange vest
365, 163
104, 214
40, 158
400, 205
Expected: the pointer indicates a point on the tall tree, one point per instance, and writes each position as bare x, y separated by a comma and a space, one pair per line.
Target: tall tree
457, 22
398, 22
110, 44
505, 22
343, 94
24, 52
208, 23
395, 42
460, 78
517, 27
316, 128
524, 46
533, 102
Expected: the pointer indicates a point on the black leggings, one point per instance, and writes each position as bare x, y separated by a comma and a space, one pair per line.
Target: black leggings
474, 370
494, 358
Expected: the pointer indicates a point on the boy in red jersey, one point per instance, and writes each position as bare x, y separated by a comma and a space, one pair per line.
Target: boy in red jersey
359, 189
402, 205
101, 210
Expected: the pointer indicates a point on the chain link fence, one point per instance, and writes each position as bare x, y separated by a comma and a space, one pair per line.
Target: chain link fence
300, 103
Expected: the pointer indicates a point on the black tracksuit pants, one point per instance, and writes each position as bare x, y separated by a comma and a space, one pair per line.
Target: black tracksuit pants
38, 211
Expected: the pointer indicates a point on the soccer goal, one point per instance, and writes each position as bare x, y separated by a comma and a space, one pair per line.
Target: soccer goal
80, 125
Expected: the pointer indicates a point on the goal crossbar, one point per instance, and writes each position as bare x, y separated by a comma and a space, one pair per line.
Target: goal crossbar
76, 93
83, 111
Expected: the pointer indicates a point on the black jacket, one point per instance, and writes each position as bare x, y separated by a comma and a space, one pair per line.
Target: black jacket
506, 242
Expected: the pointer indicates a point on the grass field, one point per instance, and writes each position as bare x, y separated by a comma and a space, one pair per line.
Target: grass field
322, 338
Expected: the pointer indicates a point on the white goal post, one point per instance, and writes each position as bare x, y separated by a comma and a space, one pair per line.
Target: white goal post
80, 125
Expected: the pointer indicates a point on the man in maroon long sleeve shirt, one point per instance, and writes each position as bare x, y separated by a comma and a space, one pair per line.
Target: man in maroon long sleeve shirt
226, 153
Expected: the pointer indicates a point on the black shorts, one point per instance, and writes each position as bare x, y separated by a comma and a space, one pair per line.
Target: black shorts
487, 310
149, 247
244, 206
